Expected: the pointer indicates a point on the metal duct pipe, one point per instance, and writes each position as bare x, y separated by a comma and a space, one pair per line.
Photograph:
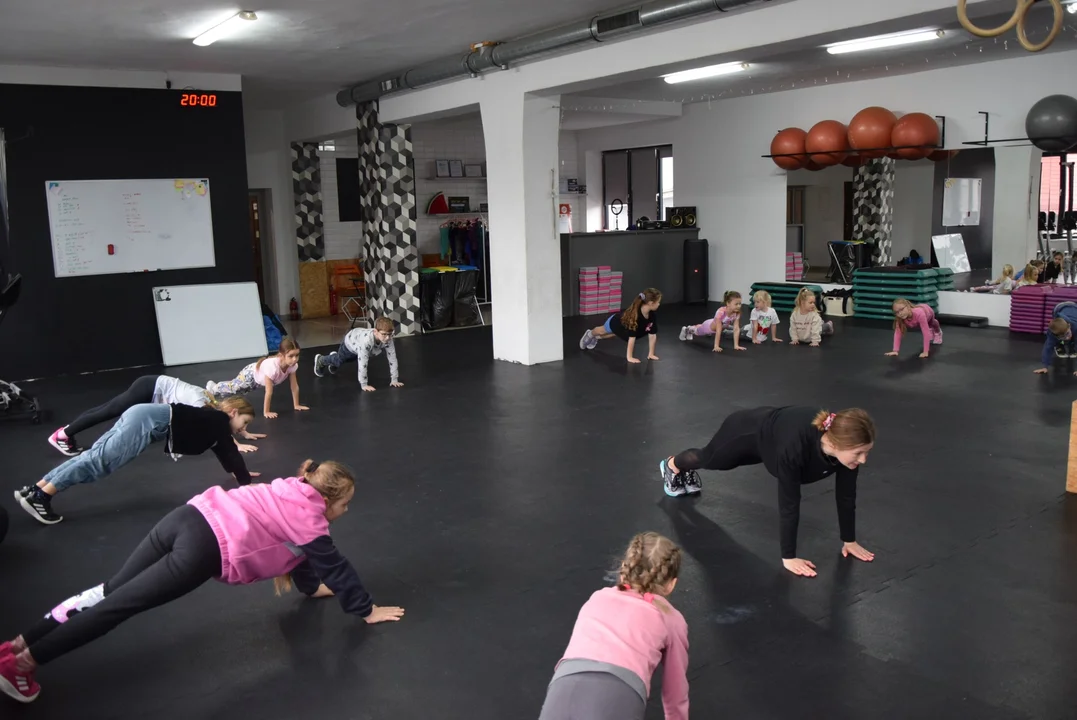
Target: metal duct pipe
644, 16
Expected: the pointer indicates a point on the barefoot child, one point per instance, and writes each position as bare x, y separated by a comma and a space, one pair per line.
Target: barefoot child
185, 430
620, 636
237, 537
805, 322
907, 315
639, 320
763, 318
268, 372
725, 322
362, 344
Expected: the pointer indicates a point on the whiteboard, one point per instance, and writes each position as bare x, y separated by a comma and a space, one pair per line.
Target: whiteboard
950, 252
961, 202
100, 227
207, 323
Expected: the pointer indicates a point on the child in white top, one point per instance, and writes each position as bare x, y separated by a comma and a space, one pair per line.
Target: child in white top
361, 344
268, 372
805, 322
763, 318
725, 322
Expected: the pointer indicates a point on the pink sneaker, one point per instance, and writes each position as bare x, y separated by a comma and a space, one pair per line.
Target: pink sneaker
64, 444
937, 338
14, 684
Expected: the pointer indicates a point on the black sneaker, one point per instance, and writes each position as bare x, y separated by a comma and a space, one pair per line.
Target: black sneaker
39, 505
319, 366
332, 368
24, 491
692, 484
672, 484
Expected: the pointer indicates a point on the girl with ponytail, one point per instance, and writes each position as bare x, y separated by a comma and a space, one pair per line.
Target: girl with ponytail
639, 320
241, 536
798, 446
725, 322
620, 636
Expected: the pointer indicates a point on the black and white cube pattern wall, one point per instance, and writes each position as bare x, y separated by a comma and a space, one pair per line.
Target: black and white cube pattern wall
307, 187
390, 232
873, 208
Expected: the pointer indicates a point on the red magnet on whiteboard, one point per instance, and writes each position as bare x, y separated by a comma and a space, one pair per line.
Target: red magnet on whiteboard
111, 249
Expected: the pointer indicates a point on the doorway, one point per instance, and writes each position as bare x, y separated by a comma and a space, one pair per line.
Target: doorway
260, 218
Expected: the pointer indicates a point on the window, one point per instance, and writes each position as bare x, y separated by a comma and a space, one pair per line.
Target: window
1050, 192
642, 179
331, 146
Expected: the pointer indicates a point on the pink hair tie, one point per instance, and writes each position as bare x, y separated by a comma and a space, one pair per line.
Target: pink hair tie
649, 597
829, 421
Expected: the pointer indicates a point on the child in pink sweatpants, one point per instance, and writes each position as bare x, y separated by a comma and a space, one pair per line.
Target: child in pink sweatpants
908, 316
725, 322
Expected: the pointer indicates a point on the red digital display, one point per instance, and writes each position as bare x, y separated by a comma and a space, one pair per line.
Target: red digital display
198, 100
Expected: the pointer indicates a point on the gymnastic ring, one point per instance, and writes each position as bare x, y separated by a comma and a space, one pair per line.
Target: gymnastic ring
1016, 20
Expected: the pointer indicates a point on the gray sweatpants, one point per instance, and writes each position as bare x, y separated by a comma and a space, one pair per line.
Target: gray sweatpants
592, 696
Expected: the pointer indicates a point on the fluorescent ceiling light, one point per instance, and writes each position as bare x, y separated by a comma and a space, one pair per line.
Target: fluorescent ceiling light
705, 72
884, 41
225, 29
1072, 8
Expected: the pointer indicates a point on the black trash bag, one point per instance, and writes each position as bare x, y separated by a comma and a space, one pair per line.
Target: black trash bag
436, 291
466, 305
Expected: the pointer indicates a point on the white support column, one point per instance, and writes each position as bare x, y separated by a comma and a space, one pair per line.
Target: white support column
521, 135
1016, 207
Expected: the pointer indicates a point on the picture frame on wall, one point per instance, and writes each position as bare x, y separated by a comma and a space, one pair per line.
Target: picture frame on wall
456, 168
473, 171
459, 205
441, 168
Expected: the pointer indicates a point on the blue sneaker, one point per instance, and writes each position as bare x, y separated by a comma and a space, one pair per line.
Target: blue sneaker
672, 484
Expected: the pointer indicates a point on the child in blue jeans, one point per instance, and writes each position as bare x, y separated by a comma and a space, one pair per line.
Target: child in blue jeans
1060, 335
361, 344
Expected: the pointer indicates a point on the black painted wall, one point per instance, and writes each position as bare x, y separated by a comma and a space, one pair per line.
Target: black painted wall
971, 163
98, 322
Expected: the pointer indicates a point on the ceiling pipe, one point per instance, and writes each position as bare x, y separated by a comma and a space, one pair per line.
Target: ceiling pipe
597, 29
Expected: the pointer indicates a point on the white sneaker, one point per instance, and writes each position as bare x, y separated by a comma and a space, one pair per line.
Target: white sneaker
684, 334
211, 387
585, 340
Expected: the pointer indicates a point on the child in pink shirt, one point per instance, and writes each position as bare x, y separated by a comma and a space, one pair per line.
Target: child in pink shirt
907, 315
725, 322
268, 372
277, 530
621, 635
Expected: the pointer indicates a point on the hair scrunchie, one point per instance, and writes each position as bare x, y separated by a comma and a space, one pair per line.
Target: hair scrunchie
642, 296
829, 421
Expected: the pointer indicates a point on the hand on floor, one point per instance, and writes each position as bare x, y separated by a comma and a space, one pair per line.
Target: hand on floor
854, 549
246, 448
777, 339
1043, 371
384, 614
716, 349
813, 344
301, 408
891, 354
252, 436
740, 347
633, 360
368, 388
269, 415
397, 383
794, 342
800, 567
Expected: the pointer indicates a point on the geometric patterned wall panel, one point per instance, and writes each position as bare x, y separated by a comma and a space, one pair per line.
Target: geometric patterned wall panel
873, 208
307, 188
390, 230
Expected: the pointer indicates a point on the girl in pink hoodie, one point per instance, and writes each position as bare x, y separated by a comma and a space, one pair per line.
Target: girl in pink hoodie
907, 315
257, 532
621, 635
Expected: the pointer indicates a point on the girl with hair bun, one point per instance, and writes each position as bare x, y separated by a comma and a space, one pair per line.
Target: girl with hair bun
257, 532
798, 446
621, 635
639, 320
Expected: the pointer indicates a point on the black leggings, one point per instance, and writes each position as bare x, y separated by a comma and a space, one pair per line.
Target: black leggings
141, 391
735, 444
179, 555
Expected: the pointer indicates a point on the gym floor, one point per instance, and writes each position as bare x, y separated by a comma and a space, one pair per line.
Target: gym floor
494, 498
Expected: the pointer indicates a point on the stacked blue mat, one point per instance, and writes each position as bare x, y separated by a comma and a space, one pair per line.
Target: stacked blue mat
784, 295
875, 289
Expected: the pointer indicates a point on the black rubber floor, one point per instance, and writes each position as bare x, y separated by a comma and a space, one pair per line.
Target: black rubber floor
494, 498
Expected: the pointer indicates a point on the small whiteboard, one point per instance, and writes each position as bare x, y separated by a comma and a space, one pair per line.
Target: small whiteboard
207, 323
961, 202
100, 227
950, 252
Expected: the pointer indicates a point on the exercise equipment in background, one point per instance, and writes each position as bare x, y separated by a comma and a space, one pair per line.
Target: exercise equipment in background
876, 289
827, 143
1051, 124
913, 135
1032, 306
783, 296
789, 147
14, 403
871, 129
1016, 20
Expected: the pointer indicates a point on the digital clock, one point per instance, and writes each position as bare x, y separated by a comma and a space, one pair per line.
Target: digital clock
198, 99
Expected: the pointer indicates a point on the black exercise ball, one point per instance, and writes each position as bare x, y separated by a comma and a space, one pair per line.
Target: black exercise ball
1051, 124
3, 523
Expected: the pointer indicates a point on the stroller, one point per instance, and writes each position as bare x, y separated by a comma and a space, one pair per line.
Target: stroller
14, 403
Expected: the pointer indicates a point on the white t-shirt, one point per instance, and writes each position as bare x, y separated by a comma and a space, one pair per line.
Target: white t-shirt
764, 319
169, 390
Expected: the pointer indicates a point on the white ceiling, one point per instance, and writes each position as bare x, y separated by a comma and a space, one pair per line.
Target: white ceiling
804, 62
298, 48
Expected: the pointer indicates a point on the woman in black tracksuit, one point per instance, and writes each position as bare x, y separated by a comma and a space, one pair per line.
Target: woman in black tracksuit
798, 446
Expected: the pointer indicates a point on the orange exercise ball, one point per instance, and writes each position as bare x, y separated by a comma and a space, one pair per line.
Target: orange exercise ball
810, 164
827, 142
871, 128
916, 129
789, 142
940, 155
854, 160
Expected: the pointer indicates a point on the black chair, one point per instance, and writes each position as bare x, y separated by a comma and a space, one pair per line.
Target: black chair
14, 403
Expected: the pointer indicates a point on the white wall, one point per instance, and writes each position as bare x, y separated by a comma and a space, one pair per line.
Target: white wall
914, 184
1017, 187
569, 166
93, 77
343, 240
458, 138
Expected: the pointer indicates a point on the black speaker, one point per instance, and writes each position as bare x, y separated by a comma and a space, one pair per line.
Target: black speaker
678, 217
695, 271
